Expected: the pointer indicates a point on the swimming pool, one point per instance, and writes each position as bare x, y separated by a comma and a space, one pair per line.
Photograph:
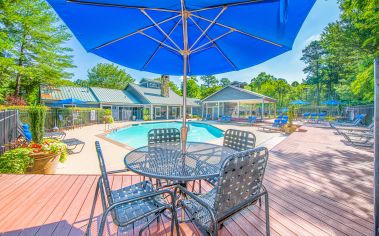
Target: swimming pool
136, 135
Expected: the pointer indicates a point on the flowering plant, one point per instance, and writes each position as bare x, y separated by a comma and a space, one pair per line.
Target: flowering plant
17, 160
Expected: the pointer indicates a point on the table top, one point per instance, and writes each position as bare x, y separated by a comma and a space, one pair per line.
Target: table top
166, 161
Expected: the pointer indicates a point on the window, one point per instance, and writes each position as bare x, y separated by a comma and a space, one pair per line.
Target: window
157, 112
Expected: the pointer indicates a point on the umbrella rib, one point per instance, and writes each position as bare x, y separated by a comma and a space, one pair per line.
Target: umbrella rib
160, 45
120, 6
159, 28
136, 32
212, 41
215, 44
239, 31
158, 41
231, 4
209, 26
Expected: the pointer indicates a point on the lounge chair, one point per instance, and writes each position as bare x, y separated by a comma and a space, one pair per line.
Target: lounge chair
313, 117
356, 122
130, 204
362, 140
71, 143
208, 211
226, 118
347, 129
321, 117
273, 128
55, 135
306, 116
252, 119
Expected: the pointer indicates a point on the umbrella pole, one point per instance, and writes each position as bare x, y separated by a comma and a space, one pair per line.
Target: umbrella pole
185, 52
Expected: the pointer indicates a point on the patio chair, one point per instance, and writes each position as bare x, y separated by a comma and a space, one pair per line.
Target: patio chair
160, 136
164, 135
129, 204
237, 140
347, 129
313, 117
244, 172
362, 140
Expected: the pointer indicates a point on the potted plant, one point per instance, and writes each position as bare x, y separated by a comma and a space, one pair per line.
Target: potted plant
290, 127
45, 153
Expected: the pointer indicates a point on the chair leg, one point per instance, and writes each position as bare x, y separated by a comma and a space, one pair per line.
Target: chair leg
92, 209
267, 215
148, 223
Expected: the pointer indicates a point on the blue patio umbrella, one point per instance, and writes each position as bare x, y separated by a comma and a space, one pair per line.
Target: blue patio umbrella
185, 37
69, 101
332, 102
299, 102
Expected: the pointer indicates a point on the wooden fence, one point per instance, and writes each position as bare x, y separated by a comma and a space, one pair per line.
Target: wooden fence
8, 128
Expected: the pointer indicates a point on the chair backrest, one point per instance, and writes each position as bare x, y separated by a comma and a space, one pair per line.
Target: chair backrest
164, 135
240, 180
239, 140
104, 174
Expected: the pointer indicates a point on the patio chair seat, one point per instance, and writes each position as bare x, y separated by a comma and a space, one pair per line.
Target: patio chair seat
198, 211
129, 212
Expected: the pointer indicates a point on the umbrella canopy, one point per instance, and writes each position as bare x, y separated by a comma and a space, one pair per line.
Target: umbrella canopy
299, 102
68, 101
332, 102
185, 37
220, 36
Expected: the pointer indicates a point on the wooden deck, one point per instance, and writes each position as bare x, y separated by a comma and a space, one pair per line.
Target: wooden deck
317, 184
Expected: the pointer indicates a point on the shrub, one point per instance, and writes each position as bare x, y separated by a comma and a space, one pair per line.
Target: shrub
15, 161
146, 114
108, 118
291, 114
37, 116
13, 100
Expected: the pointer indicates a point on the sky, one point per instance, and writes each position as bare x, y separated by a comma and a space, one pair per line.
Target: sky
287, 65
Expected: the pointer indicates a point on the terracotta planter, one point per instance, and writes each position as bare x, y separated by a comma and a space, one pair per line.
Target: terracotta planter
44, 163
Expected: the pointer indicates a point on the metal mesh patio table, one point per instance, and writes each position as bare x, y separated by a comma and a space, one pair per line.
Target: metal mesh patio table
166, 161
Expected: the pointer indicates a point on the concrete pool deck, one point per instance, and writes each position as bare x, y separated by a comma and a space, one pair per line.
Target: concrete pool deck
86, 161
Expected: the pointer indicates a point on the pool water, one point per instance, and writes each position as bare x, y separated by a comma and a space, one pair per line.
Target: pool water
136, 135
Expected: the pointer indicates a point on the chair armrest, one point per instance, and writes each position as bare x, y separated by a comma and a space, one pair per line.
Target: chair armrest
161, 192
201, 202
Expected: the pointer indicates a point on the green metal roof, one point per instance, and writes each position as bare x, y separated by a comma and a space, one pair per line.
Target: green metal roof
232, 93
65, 92
153, 96
106, 95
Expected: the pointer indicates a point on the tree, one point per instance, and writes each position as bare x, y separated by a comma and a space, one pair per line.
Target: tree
193, 89
31, 46
107, 75
175, 88
225, 82
209, 80
313, 58
256, 82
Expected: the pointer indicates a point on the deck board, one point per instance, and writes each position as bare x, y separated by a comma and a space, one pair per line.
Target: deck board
317, 186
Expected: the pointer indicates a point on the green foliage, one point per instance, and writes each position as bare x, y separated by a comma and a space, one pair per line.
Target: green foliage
106, 75
193, 89
37, 116
291, 115
108, 118
15, 161
209, 81
174, 88
56, 146
31, 48
146, 114
225, 82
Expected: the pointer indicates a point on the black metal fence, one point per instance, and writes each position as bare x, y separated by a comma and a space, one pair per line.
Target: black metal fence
64, 118
8, 128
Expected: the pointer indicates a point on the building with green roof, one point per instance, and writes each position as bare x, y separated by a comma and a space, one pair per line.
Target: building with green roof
127, 104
